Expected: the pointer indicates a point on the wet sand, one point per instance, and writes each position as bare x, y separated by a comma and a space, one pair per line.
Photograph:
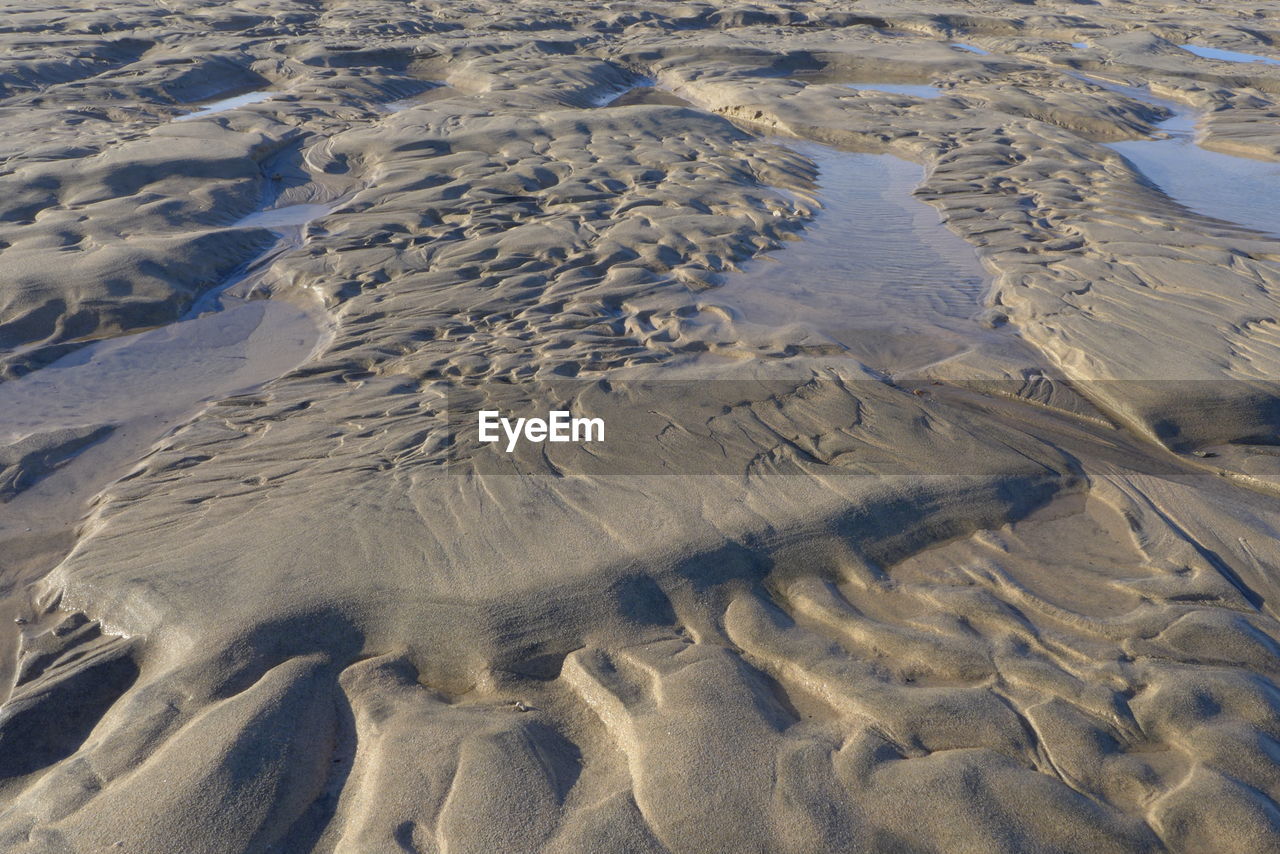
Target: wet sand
937, 508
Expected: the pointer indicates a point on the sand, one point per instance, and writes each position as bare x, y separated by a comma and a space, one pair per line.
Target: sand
951, 529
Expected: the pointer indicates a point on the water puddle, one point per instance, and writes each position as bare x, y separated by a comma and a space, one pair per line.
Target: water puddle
1227, 55
1222, 186
227, 104
915, 90
979, 51
164, 370
876, 271
1080, 45
284, 217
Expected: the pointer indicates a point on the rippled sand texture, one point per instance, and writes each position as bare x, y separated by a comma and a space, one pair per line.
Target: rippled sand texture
1011, 589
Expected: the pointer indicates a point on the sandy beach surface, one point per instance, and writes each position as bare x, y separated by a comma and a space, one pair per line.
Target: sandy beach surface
935, 350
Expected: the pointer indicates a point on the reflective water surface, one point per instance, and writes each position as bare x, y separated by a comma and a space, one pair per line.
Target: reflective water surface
1239, 190
227, 104
289, 215
876, 271
916, 90
127, 392
1227, 55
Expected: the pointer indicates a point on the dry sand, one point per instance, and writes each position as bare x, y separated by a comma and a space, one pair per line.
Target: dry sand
990, 568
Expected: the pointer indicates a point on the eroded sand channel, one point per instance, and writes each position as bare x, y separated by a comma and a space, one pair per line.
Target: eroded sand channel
84, 419
1233, 189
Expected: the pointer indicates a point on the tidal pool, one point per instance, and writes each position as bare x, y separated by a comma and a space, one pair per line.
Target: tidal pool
283, 217
979, 51
166, 369
916, 90
1237, 190
1227, 55
227, 104
130, 390
876, 271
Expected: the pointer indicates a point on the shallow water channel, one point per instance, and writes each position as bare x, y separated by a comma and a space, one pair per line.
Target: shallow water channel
915, 90
133, 389
876, 271
1226, 55
1234, 189
224, 104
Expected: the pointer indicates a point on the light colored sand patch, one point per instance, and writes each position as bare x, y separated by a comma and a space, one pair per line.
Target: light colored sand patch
437, 92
